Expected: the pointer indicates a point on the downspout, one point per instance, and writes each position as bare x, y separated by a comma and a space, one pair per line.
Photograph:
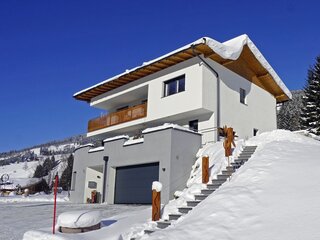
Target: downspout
218, 85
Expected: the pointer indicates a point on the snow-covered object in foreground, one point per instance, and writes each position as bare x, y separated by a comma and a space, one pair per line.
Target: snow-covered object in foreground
157, 186
79, 219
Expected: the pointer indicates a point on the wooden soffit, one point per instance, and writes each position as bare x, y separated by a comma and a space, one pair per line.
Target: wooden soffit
246, 66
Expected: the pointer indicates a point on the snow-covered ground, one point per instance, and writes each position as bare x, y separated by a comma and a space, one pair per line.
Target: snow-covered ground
37, 197
275, 195
17, 218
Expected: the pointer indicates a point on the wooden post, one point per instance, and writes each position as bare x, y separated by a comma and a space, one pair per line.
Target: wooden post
156, 200
205, 169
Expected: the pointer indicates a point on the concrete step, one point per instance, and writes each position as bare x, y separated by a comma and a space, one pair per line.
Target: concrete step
246, 148
163, 224
213, 186
148, 231
227, 172
230, 168
245, 156
218, 181
184, 209
223, 176
200, 196
240, 161
193, 203
207, 191
242, 158
174, 216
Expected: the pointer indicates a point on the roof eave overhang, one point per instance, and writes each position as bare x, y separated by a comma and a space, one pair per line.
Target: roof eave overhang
246, 65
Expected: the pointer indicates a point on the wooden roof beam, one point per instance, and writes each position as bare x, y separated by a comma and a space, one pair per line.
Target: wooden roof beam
154, 67
136, 73
179, 58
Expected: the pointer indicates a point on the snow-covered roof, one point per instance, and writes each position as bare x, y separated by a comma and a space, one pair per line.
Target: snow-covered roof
240, 51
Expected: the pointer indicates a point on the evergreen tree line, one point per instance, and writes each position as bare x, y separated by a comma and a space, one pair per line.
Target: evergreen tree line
303, 111
44, 170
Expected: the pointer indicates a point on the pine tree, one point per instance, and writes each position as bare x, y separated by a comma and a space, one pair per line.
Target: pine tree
310, 117
288, 117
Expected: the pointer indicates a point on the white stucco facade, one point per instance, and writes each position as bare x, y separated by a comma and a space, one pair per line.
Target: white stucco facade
197, 102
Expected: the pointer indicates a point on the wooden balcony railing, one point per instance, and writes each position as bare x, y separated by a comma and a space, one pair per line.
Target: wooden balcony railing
126, 115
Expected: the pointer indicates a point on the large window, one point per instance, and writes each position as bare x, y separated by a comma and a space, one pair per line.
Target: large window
242, 96
174, 86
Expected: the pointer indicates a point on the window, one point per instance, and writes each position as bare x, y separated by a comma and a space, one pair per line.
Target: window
174, 86
193, 125
255, 132
242, 96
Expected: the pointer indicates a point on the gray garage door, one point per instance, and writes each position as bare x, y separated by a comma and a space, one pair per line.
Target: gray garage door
133, 183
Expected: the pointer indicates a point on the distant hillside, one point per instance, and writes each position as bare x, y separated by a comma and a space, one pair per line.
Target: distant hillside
38, 152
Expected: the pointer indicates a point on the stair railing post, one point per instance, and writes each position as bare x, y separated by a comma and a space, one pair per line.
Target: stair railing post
156, 200
205, 169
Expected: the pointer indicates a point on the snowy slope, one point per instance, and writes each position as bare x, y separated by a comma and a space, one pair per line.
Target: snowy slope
275, 195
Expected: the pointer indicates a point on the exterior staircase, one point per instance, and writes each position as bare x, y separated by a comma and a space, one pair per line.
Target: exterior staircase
210, 188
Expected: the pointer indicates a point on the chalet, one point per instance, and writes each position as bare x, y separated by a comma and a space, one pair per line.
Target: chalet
200, 87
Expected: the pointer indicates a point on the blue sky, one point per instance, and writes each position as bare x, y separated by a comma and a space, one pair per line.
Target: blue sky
52, 49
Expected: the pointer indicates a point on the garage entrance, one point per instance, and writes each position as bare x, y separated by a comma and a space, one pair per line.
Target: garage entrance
133, 183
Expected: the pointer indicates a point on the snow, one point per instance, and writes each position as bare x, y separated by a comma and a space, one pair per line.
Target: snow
167, 126
32, 198
116, 138
275, 195
133, 141
230, 49
157, 186
79, 219
85, 145
121, 226
97, 149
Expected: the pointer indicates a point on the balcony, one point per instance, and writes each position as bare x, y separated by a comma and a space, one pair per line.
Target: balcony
126, 115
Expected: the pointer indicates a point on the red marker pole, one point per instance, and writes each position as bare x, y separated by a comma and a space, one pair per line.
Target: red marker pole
56, 180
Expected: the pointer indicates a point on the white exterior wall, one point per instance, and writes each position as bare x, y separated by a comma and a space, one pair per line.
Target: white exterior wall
92, 175
178, 108
259, 111
198, 101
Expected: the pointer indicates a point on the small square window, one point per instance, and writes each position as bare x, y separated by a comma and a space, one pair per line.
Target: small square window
174, 86
193, 125
242, 96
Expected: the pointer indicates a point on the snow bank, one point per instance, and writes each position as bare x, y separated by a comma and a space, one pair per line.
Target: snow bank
37, 197
275, 195
111, 228
79, 219
157, 186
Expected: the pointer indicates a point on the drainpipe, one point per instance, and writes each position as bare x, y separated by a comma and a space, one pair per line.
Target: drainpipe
104, 184
218, 85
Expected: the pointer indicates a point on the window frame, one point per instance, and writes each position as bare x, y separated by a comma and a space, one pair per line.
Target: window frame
178, 86
243, 96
